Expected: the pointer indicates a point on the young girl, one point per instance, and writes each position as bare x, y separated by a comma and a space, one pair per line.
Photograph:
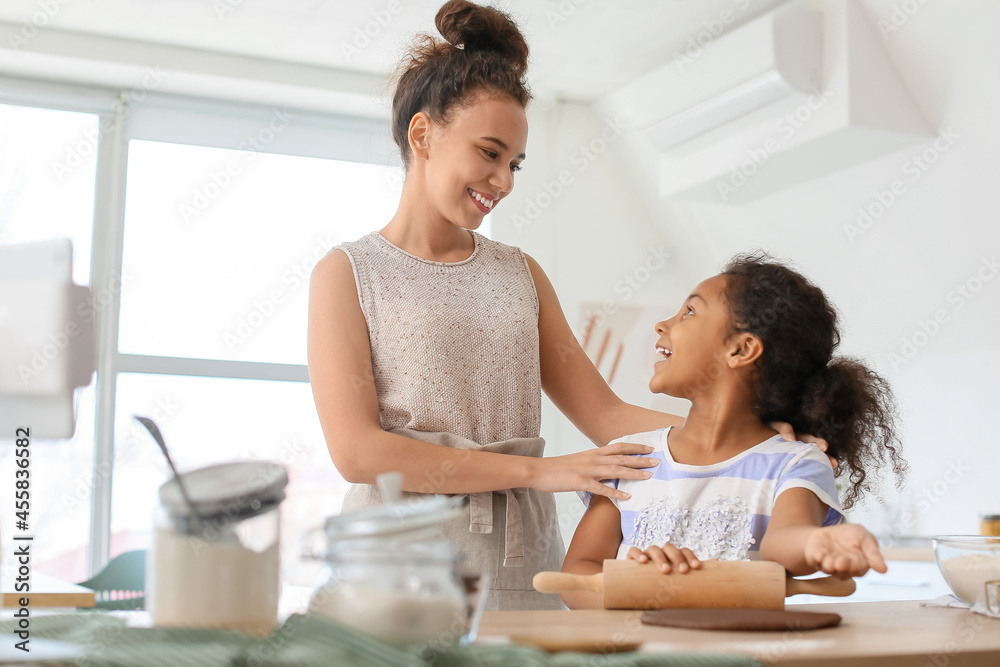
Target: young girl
750, 346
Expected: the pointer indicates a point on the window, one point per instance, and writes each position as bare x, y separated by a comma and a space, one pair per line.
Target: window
210, 218
219, 237
208, 420
48, 167
219, 245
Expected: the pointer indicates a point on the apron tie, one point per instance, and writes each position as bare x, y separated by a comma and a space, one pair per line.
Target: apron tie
481, 521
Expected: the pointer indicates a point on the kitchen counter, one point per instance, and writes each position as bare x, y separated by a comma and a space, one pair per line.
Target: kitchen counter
907, 548
888, 634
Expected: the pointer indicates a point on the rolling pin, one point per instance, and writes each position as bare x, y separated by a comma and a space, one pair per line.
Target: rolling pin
628, 584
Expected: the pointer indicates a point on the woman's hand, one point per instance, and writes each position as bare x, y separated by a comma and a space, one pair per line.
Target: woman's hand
845, 550
667, 558
788, 433
584, 471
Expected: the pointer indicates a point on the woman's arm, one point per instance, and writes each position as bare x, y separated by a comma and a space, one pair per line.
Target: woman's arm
796, 539
340, 373
574, 384
597, 538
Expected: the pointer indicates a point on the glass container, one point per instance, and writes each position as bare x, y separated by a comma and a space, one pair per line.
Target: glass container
392, 576
216, 564
968, 563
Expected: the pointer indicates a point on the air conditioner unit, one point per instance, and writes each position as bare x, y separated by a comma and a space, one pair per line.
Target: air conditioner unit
798, 93
761, 62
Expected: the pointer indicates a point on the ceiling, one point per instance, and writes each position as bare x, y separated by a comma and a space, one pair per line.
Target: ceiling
581, 49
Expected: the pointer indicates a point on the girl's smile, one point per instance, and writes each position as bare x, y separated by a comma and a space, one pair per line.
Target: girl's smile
663, 352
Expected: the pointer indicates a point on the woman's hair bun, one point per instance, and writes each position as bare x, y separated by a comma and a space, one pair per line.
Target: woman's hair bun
483, 52
473, 27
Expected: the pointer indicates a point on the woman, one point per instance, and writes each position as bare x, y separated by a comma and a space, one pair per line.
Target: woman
429, 343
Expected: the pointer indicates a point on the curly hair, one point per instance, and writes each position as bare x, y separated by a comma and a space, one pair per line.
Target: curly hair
799, 380
483, 51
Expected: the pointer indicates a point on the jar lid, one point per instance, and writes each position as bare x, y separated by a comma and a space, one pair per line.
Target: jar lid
990, 517
238, 490
410, 517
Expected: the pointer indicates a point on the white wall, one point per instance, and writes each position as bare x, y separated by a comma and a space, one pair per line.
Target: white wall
896, 274
904, 269
907, 266
593, 231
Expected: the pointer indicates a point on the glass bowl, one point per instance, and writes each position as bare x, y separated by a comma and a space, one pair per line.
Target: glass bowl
968, 563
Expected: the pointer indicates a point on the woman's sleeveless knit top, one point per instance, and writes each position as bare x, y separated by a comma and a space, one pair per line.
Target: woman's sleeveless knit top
454, 345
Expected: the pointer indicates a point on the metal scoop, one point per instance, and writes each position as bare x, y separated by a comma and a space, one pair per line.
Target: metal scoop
154, 431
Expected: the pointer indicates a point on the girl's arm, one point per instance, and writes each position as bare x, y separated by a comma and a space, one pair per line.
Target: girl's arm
340, 373
597, 538
574, 384
796, 539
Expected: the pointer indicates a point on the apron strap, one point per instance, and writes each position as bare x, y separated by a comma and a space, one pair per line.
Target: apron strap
481, 521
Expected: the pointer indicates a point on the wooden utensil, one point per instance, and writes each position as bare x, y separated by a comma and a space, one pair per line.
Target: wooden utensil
628, 584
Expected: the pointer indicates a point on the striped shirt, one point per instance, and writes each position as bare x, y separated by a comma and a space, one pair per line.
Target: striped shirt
719, 510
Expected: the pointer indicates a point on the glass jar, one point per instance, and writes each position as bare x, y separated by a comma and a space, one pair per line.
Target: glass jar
393, 577
989, 524
216, 564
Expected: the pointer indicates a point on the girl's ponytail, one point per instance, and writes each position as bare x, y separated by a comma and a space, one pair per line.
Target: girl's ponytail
851, 407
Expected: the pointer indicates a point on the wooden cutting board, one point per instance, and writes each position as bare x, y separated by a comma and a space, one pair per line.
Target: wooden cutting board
603, 646
47, 591
740, 619
628, 584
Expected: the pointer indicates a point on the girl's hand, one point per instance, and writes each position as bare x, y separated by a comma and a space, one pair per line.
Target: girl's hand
666, 558
788, 433
584, 471
845, 550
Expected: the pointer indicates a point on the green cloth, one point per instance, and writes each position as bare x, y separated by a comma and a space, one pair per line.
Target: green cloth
307, 641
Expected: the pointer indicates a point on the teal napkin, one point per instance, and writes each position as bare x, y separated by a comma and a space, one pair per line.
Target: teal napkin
309, 641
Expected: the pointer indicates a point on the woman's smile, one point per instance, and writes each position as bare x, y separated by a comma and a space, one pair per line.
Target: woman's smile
483, 202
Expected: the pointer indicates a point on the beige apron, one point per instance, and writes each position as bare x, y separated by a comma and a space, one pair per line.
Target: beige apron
511, 534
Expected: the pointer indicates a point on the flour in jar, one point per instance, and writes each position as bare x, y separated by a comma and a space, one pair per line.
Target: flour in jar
393, 616
967, 575
213, 584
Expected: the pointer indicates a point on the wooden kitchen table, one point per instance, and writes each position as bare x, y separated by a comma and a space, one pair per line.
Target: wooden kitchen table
887, 634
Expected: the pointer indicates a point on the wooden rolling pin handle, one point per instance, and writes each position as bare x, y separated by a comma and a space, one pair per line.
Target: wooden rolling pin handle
829, 586
561, 582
